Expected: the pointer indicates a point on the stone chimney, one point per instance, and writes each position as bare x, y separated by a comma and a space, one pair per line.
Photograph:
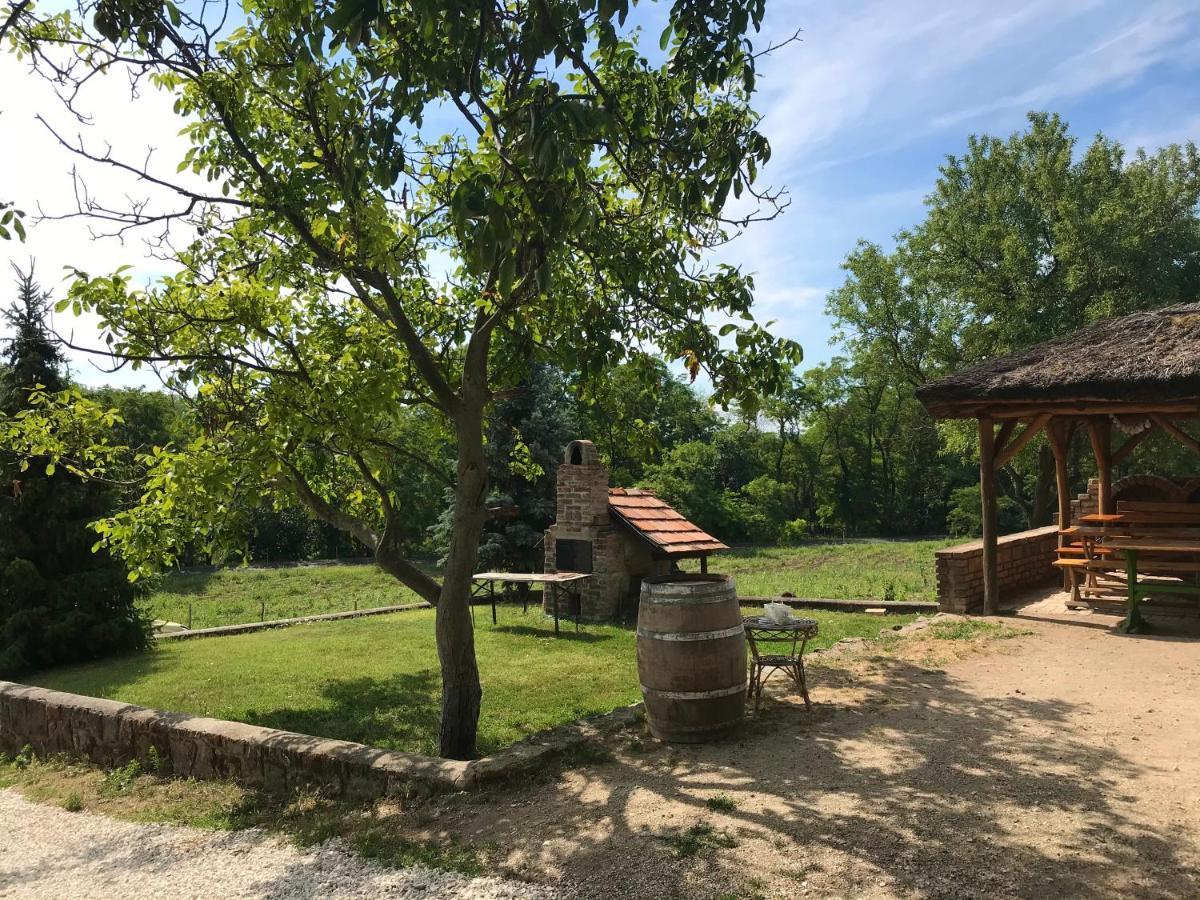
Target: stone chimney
582, 487
584, 538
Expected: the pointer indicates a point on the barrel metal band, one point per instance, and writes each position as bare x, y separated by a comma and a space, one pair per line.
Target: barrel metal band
696, 695
689, 599
691, 635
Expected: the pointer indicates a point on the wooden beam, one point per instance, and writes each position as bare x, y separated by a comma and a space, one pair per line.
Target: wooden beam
1013, 447
1131, 444
1005, 432
1059, 432
1176, 432
1001, 410
1100, 431
987, 495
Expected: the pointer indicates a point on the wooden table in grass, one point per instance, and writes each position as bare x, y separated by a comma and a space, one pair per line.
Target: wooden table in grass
1184, 550
557, 583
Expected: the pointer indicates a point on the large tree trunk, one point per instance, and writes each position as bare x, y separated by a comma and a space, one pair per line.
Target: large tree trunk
461, 692
1043, 488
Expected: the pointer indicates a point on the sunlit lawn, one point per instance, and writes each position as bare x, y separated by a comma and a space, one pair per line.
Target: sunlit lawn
375, 680
233, 596
857, 570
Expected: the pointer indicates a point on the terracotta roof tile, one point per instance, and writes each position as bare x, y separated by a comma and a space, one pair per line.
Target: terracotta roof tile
656, 522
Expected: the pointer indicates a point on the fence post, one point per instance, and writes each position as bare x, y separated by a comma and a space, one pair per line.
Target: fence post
189, 617
262, 611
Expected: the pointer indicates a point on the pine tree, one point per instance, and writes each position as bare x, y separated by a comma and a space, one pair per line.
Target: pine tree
59, 601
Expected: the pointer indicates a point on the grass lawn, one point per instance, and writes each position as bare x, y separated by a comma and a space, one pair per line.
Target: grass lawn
375, 680
856, 570
233, 596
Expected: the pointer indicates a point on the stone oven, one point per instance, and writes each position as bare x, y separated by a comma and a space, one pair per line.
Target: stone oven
617, 536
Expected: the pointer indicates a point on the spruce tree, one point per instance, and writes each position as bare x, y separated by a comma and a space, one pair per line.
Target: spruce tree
59, 601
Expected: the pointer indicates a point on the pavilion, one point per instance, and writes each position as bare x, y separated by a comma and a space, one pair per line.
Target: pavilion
1139, 373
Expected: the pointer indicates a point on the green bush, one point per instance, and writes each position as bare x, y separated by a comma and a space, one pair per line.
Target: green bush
965, 518
793, 532
59, 601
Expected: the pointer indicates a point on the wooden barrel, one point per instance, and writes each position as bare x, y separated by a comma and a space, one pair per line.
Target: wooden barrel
691, 650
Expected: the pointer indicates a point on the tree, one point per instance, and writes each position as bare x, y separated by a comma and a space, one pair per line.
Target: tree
59, 601
639, 411
1024, 240
526, 437
352, 267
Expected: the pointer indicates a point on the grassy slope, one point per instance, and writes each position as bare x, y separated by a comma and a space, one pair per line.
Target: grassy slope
375, 680
232, 596
858, 570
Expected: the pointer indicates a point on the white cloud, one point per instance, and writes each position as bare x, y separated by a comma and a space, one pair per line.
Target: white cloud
1158, 35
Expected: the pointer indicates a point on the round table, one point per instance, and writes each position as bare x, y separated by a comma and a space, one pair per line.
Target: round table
797, 632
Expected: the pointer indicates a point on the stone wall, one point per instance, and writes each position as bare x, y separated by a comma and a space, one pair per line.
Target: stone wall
111, 734
1023, 560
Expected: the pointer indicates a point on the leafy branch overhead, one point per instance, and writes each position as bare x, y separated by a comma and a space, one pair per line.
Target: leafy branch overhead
387, 212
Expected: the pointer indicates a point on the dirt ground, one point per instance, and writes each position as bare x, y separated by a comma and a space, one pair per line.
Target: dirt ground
1065, 762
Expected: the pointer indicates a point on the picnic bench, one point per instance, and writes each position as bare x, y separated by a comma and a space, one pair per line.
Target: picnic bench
1145, 549
556, 583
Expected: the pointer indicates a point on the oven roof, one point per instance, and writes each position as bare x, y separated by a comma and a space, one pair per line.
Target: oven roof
653, 520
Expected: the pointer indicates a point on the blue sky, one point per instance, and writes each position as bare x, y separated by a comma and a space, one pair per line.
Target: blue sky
860, 113
863, 110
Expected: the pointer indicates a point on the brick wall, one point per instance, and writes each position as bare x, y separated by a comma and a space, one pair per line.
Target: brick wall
1023, 560
581, 514
1166, 488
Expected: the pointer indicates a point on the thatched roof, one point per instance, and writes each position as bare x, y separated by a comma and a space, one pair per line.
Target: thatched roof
1144, 358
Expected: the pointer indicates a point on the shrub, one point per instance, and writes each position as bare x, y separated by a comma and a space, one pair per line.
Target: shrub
793, 532
965, 518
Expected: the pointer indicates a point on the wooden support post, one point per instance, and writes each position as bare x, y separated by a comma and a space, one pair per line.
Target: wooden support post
1060, 442
704, 565
987, 493
1100, 431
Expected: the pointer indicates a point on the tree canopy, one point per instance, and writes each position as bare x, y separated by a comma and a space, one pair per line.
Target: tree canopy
60, 601
391, 212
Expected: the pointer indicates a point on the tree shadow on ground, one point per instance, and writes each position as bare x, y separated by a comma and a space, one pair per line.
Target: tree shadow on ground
399, 712
191, 582
566, 633
920, 787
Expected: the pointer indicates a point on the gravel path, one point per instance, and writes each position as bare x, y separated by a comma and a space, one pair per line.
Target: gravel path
46, 852
1065, 763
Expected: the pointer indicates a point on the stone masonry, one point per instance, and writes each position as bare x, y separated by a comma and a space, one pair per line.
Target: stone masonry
619, 562
1170, 489
1023, 560
111, 733
581, 514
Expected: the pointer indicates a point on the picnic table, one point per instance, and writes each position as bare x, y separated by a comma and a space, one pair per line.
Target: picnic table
1140, 588
557, 583
1143, 549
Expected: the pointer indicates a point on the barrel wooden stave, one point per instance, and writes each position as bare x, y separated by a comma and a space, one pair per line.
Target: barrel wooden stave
691, 656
